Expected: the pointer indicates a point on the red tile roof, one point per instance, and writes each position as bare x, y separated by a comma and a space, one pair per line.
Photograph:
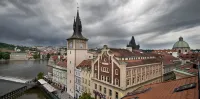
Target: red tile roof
55, 57
127, 53
165, 90
141, 62
168, 59
62, 63
85, 63
189, 56
165, 50
188, 68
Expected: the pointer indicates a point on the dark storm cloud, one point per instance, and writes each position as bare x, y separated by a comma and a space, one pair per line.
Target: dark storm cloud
44, 22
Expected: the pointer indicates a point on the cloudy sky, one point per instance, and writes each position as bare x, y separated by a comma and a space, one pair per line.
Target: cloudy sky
154, 23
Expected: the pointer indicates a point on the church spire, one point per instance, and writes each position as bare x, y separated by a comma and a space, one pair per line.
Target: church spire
74, 25
77, 27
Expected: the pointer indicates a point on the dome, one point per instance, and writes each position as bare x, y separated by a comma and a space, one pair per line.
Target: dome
181, 44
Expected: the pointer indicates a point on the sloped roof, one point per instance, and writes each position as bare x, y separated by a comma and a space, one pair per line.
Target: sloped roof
62, 63
188, 68
165, 90
127, 53
85, 63
141, 62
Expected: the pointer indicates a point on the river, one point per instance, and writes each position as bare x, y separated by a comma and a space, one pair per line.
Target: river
22, 69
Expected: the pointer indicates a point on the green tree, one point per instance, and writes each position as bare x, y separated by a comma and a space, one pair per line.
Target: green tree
86, 96
5, 55
48, 56
40, 75
1, 55
35, 56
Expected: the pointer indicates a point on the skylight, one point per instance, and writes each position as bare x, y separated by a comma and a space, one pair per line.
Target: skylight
185, 87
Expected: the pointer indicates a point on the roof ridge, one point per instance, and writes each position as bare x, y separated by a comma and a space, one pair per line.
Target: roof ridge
170, 80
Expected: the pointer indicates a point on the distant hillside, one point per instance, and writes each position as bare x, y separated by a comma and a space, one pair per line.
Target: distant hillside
4, 46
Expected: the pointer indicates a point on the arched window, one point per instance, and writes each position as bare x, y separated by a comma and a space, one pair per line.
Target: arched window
116, 71
116, 81
179, 51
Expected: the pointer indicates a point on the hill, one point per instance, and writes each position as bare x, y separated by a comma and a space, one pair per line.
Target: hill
10, 47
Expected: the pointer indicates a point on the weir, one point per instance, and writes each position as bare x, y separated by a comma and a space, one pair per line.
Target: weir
14, 79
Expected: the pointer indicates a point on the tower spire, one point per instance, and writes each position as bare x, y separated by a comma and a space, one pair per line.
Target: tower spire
77, 27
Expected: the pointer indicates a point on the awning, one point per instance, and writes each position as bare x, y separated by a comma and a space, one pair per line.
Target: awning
49, 87
42, 81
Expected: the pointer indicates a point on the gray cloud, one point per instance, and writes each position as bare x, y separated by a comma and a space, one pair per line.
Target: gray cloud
44, 22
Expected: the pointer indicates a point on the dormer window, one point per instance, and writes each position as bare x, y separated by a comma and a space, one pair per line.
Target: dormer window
185, 87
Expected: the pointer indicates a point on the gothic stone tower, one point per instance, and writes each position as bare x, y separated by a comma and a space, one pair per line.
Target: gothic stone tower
76, 53
133, 45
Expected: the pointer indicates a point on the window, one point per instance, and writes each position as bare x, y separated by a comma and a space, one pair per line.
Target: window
99, 88
101, 77
133, 80
127, 82
116, 71
104, 78
104, 90
110, 92
116, 95
89, 83
85, 81
95, 67
70, 62
96, 75
95, 85
89, 56
70, 52
116, 81
108, 79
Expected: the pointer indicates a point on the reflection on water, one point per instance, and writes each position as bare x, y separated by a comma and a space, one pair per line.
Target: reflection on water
34, 93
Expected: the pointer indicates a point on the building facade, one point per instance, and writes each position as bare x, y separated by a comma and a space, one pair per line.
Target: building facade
76, 53
78, 88
115, 72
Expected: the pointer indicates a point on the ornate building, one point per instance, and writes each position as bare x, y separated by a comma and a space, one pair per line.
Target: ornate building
76, 52
181, 46
133, 45
115, 72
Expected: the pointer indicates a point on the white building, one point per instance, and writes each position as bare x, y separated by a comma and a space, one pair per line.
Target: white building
78, 89
57, 71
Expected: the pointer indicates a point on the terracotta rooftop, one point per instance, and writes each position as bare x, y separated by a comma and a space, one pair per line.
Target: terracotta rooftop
168, 59
189, 68
85, 63
62, 63
165, 90
189, 56
165, 50
127, 53
141, 62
